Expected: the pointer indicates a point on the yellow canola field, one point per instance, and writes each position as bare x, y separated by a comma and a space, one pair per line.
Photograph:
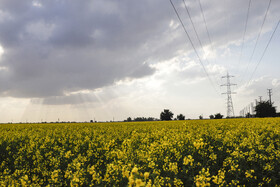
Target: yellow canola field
228, 152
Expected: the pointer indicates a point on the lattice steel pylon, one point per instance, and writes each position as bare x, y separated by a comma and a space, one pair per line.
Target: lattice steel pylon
230, 110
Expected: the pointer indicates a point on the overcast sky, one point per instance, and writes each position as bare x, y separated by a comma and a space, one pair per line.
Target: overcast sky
109, 60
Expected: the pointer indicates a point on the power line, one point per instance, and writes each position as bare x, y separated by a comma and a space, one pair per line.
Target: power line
263, 52
207, 31
198, 38
226, 26
192, 45
194, 28
205, 25
186, 8
257, 40
247, 17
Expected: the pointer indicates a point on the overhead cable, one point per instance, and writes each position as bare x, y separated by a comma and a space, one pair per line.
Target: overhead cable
186, 8
200, 61
202, 12
247, 17
207, 31
257, 40
263, 53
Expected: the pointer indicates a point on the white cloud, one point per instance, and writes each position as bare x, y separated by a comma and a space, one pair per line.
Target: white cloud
258, 87
226, 52
1, 51
40, 30
4, 16
36, 4
276, 83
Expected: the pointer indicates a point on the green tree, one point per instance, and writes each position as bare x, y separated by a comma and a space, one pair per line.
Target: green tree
265, 109
211, 117
166, 115
218, 116
180, 117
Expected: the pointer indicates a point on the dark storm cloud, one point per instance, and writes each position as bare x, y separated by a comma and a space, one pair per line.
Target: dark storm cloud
55, 47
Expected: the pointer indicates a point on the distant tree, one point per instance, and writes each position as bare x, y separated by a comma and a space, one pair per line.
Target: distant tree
200, 117
248, 115
166, 115
218, 116
211, 116
180, 117
140, 119
144, 119
128, 119
265, 109
151, 119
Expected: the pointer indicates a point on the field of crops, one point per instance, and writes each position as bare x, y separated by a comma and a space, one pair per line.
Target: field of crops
178, 153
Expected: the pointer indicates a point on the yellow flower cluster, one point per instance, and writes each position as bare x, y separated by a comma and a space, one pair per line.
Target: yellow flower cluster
228, 152
188, 160
203, 178
199, 144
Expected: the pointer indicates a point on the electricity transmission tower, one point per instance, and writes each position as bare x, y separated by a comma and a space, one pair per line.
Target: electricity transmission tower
230, 110
269, 95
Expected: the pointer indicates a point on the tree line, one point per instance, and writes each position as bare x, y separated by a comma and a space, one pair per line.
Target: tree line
262, 109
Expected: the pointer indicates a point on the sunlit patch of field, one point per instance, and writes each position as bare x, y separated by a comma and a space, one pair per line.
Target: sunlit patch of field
176, 153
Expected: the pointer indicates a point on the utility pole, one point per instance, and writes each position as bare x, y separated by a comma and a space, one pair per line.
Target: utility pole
230, 110
253, 109
260, 98
269, 95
